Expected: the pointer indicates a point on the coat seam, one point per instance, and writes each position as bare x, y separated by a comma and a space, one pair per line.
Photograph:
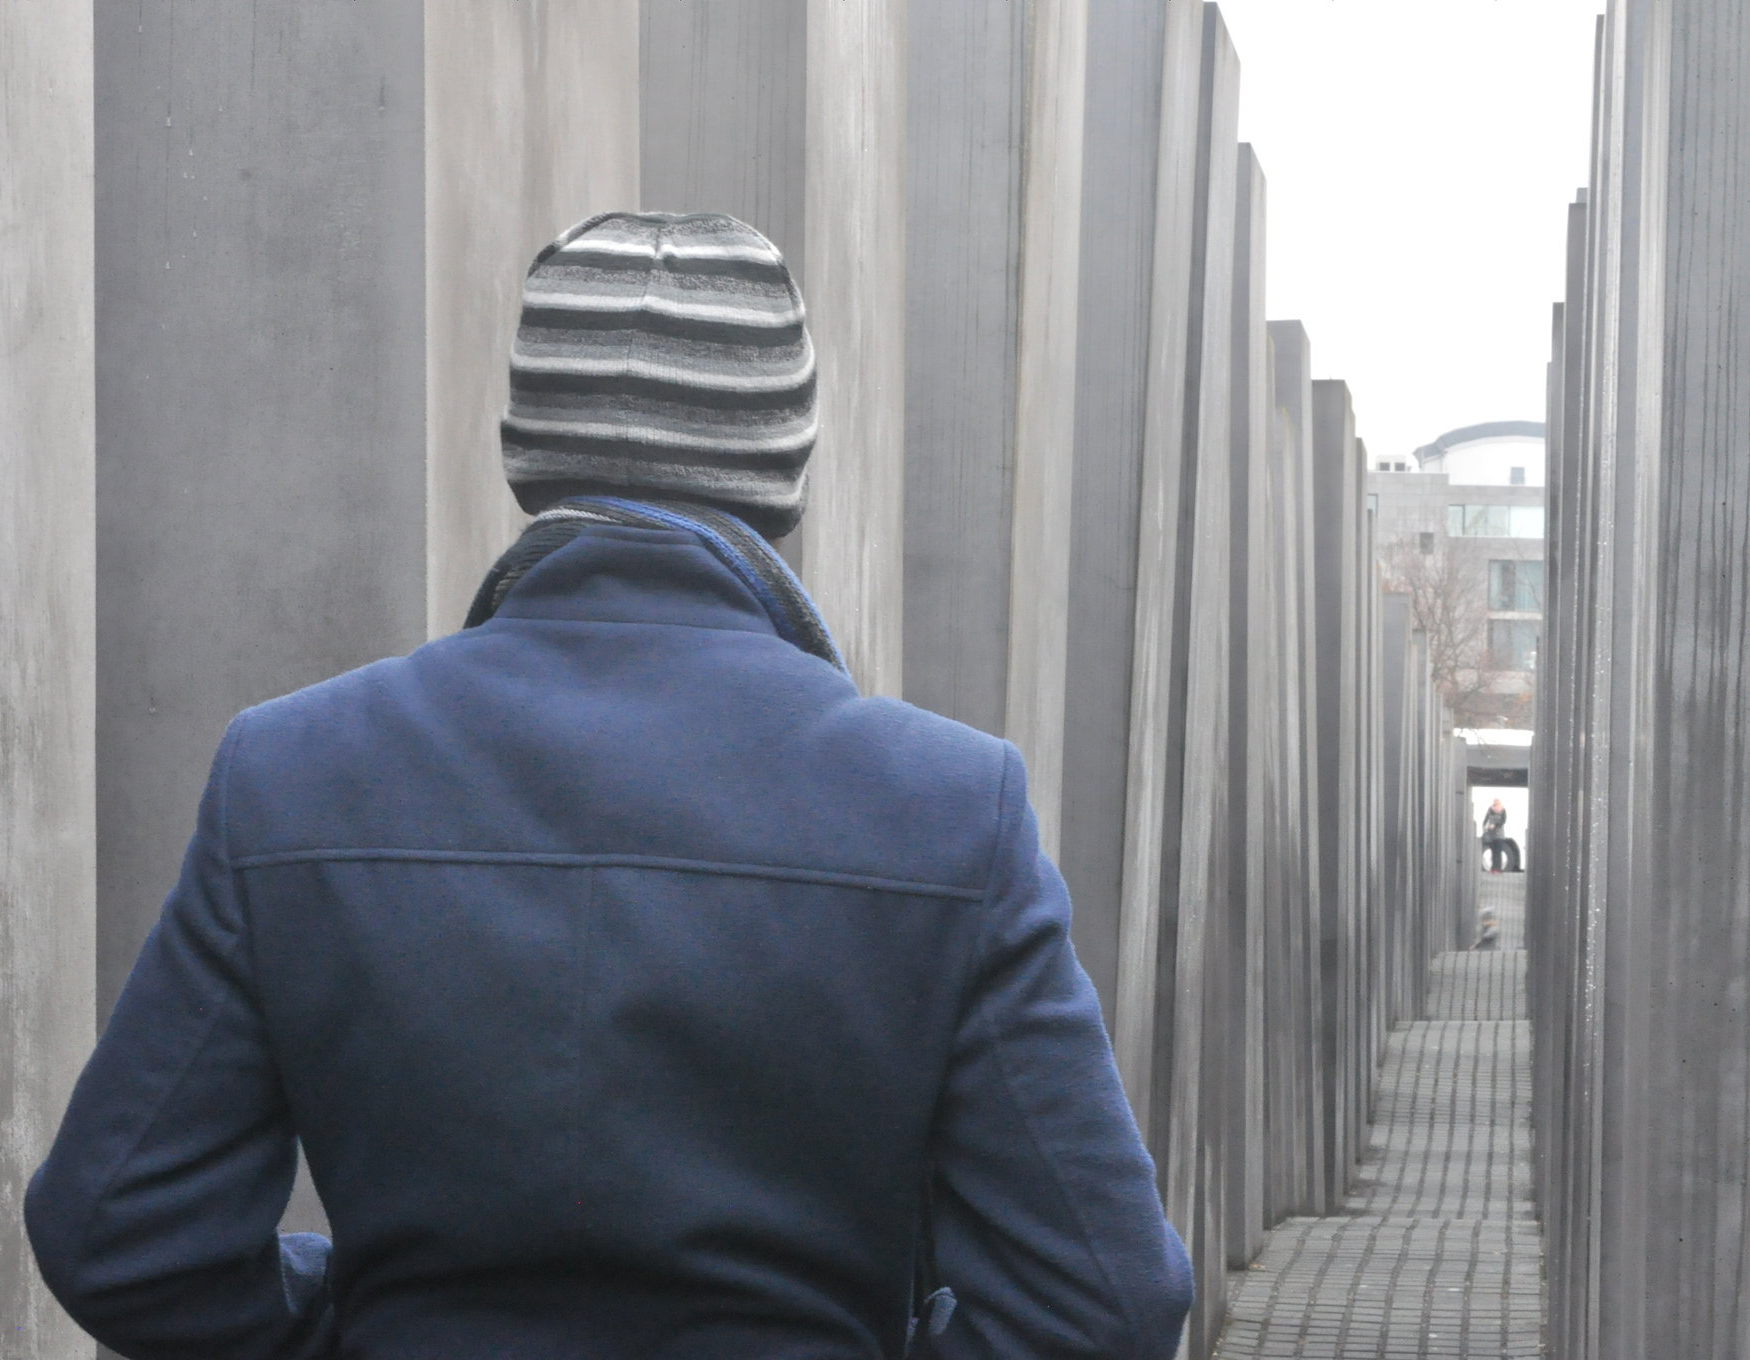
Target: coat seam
538, 859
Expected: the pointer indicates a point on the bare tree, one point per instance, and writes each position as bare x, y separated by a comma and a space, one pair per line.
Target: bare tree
1448, 603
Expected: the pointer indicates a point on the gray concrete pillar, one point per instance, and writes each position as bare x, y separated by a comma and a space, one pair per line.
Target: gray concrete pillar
723, 109
1155, 646
996, 110
855, 267
1294, 402
1646, 927
791, 115
1254, 831
311, 229
1194, 1047
47, 647
529, 127
1124, 138
1336, 512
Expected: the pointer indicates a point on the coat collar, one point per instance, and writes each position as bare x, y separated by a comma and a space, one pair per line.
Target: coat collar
618, 574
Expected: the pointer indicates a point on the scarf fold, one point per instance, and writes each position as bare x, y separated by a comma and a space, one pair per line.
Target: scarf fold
754, 562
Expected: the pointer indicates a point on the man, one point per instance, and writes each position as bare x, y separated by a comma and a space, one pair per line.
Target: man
1488, 932
1494, 829
636, 988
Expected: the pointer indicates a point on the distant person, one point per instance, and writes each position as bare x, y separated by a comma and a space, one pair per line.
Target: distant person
1488, 932
1494, 831
635, 985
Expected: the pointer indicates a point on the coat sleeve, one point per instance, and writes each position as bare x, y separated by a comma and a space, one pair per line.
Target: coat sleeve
154, 1219
1048, 1222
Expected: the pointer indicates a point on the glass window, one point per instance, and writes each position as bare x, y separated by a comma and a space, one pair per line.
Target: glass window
1494, 521
1373, 503
1513, 644
1526, 521
1516, 585
1385, 467
1427, 544
1516, 476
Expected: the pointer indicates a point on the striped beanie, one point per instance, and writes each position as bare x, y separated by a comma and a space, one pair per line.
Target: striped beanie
663, 356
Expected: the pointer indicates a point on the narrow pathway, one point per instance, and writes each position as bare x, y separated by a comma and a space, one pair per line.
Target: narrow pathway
1437, 1254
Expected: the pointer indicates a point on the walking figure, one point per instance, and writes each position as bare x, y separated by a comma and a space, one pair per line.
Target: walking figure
633, 984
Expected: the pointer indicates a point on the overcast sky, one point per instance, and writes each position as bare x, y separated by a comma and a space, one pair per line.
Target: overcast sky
1420, 155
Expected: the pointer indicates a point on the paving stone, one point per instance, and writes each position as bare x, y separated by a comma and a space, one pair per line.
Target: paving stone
1437, 1253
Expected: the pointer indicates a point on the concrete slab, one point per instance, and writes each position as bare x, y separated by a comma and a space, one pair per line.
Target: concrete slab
47, 643
1336, 512
1195, 928
1136, 1028
855, 272
1120, 167
1254, 773
1644, 1135
260, 394
531, 124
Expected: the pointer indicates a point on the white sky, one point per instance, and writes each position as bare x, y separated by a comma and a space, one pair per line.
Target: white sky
1420, 156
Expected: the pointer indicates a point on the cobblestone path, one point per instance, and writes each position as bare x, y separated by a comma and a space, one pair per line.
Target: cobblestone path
1436, 1254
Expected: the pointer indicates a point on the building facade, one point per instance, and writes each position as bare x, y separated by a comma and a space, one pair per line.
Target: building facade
1461, 531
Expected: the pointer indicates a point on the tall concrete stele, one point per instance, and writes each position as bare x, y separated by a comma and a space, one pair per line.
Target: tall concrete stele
1640, 905
1073, 488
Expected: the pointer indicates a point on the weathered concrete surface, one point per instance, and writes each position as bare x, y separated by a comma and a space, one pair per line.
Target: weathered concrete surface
1642, 918
1304, 1187
1336, 515
531, 123
724, 111
1137, 1028
1256, 831
260, 392
312, 227
965, 104
1045, 399
260, 397
1195, 932
1120, 167
47, 647
854, 532
723, 121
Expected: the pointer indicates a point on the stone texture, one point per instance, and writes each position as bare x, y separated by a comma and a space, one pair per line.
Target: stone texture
855, 273
261, 402
311, 229
1156, 646
1189, 1145
1124, 137
1642, 922
47, 647
530, 125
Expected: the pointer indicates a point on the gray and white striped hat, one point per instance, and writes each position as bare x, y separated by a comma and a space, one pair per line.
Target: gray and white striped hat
663, 355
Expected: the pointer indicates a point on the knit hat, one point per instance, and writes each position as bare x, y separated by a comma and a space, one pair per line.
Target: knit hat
663, 356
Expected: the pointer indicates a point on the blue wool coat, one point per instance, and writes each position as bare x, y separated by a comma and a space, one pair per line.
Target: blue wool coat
621, 971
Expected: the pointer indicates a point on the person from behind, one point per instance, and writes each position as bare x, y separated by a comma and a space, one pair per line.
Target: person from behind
1488, 932
1494, 830
635, 987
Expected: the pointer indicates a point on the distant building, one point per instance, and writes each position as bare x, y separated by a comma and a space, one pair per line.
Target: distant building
1460, 529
